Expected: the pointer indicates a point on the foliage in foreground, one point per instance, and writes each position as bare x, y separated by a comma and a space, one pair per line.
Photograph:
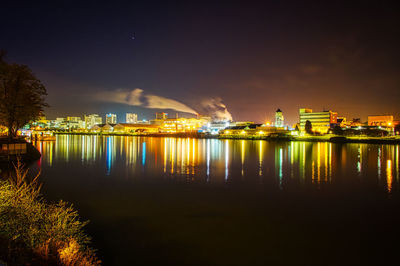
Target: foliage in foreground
22, 96
35, 232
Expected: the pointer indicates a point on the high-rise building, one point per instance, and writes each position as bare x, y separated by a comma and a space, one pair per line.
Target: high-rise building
75, 122
161, 116
320, 121
131, 118
60, 122
91, 120
279, 118
73, 118
111, 118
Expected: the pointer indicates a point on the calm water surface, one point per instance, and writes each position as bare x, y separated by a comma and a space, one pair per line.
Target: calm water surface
189, 201
225, 161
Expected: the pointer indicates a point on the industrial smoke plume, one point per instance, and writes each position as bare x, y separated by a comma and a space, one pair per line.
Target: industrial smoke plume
213, 107
216, 109
137, 97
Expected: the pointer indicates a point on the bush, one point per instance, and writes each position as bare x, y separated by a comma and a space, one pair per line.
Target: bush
32, 230
337, 130
308, 127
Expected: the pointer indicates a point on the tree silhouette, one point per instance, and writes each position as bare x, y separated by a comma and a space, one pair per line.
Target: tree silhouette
21, 96
397, 128
308, 127
337, 130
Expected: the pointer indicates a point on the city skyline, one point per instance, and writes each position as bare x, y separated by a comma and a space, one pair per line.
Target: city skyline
254, 57
223, 132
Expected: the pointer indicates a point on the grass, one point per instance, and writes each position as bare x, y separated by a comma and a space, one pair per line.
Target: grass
35, 232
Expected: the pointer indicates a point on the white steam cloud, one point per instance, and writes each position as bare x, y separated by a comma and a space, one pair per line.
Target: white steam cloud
121, 96
154, 101
213, 107
216, 109
137, 97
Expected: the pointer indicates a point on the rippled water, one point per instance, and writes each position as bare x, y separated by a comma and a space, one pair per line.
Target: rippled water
226, 161
182, 201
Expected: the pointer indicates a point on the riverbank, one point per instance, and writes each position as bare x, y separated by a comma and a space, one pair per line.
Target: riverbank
350, 139
35, 232
310, 138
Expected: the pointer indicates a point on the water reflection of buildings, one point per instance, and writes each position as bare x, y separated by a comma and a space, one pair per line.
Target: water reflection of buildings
213, 160
307, 162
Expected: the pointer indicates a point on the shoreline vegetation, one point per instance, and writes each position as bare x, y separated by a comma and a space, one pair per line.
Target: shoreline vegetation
310, 138
34, 232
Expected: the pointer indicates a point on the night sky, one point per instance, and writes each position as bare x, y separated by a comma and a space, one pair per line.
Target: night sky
254, 55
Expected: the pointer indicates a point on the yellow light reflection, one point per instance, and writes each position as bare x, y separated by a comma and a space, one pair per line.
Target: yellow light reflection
280, 167
51, 153
242, 155
83, 149
330, 161
291, 158
67, 149
193, 155
94, 148
172, 155
326, 160
182, 149
304, 161
208, 157
312, 172
226, 159
179, 160
397, 162
187, 143
389, 176
319, 162
165, 155
260, 157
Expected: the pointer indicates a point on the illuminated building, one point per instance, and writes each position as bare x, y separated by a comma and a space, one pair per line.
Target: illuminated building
341, 121
41, 122
73, 118
380, 120
241, 123
320, 121
136, 128
254, 130
3, 130
111, 118
173, 125
74, 122
107, 128
279, 118
161, 116
93, 119
215, 127
60, 123
131, 118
